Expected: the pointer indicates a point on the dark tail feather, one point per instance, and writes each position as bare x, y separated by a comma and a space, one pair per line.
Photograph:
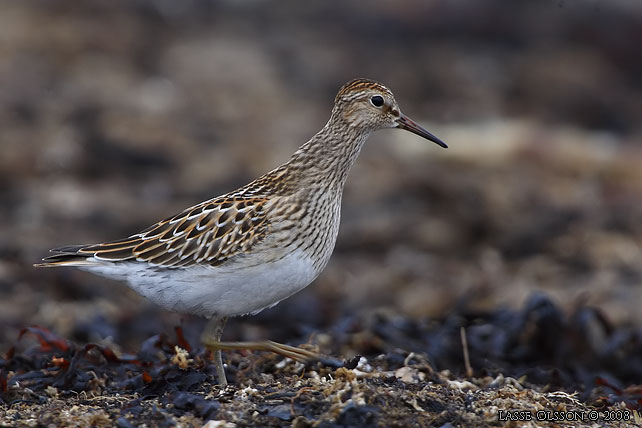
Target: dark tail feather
68, 256
77, 255
68, 249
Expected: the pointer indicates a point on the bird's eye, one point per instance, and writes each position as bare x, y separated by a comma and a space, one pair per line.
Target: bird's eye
377, 100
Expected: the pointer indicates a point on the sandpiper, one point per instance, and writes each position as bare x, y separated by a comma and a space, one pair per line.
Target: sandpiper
247, 250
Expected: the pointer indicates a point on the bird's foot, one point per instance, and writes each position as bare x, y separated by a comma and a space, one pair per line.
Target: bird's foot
293, 352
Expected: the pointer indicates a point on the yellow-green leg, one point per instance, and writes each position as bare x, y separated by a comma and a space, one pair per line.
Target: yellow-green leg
212, 334
211, 338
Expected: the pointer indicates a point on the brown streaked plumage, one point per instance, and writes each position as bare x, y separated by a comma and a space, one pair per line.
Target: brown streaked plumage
249, 249
206, 234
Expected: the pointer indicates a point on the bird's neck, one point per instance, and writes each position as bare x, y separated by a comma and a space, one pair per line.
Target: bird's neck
326, 159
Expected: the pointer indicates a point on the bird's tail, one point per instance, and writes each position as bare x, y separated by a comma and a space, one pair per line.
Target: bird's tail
66, 256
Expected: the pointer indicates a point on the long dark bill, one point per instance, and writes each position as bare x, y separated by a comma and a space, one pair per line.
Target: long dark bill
404, 122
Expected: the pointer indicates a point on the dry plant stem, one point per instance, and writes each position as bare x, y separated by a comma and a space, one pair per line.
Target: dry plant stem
464, 344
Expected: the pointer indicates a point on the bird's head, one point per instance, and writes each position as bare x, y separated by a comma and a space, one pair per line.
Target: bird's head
368, 104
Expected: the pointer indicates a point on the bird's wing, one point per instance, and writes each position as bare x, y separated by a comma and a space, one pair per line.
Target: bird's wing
209, 233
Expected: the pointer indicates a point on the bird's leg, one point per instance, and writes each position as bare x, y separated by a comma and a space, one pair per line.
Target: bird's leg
293, 352
211, 338
212, 334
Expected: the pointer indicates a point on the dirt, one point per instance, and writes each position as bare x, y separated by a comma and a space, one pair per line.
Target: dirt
523, 238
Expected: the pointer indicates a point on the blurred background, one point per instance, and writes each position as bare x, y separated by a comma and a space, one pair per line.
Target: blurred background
114, 115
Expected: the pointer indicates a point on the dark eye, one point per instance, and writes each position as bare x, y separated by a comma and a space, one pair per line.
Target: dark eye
377, 100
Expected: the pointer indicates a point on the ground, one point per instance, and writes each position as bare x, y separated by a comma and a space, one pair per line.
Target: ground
519, 246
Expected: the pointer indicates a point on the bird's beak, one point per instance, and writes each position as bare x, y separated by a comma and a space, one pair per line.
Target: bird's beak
404, 122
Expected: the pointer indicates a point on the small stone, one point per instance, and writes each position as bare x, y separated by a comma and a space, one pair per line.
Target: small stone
409, 375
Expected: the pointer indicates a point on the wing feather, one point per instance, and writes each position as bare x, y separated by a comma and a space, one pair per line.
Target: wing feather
209, 233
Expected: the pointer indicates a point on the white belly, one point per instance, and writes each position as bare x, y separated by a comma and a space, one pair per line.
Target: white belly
237, 289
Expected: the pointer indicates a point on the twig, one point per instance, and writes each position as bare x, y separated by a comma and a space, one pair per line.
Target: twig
464, 344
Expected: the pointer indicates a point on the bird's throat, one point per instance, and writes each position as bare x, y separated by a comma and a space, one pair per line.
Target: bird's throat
328, 156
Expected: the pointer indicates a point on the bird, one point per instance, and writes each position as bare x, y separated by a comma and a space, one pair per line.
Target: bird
247, 250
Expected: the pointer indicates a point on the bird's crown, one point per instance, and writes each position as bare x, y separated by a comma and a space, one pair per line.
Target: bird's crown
358, 87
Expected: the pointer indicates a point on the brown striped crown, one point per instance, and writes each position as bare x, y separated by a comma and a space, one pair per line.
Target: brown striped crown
359, 86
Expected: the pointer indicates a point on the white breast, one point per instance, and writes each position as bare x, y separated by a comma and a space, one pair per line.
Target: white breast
232, 289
